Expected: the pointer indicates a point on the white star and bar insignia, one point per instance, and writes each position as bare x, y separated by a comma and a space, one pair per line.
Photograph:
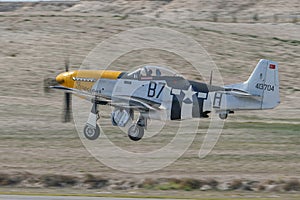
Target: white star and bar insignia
188, 94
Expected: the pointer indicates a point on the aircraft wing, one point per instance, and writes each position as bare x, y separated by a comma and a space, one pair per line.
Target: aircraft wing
116, 101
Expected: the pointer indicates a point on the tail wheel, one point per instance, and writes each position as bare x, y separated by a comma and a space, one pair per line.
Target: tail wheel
135, 132
90, 132
223, 115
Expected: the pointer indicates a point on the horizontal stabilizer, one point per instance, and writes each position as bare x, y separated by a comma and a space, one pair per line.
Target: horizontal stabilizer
243, 94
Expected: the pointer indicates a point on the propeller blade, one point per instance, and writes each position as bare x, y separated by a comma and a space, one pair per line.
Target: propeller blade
210, 79
67, 64
67, 108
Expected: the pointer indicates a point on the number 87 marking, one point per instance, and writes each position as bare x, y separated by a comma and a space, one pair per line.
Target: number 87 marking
152, 90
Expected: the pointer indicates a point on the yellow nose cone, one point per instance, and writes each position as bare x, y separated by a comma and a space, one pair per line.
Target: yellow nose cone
65, 79
60, 78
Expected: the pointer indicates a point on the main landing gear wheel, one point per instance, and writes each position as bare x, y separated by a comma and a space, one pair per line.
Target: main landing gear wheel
135, 132
90, 132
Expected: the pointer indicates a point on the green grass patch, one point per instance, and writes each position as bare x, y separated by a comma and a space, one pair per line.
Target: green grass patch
224, 196
186, 184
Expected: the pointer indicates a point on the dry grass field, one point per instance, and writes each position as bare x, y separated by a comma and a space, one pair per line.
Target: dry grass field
35, 39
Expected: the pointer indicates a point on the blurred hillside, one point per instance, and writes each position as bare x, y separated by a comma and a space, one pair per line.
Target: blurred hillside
219, 10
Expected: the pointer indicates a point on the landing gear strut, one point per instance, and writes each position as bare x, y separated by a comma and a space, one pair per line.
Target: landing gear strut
91, 129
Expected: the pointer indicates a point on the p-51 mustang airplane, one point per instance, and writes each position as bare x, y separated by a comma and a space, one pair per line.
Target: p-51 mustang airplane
158, 93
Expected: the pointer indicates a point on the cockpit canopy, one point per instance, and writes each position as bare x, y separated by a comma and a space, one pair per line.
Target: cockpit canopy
151, 71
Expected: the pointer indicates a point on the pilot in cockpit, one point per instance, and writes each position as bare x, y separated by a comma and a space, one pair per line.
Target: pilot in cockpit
158, 73
149, 72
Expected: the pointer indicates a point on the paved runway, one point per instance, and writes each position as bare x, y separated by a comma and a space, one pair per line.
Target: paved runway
25, 197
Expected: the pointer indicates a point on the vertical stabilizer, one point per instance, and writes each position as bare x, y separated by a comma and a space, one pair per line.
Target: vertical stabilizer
264, 82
